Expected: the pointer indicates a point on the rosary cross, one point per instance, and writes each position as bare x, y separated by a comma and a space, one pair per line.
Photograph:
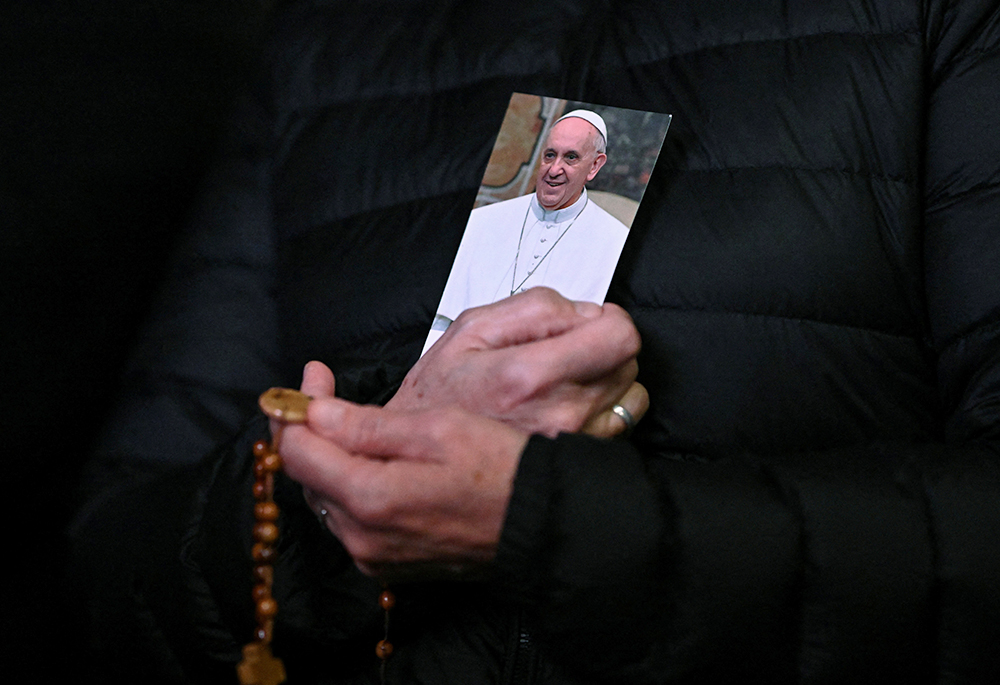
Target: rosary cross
259, 666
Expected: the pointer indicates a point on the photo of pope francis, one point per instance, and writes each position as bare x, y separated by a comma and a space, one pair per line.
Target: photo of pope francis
556, 237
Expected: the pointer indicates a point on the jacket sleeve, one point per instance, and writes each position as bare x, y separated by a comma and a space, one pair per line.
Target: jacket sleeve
210, 344
877, 562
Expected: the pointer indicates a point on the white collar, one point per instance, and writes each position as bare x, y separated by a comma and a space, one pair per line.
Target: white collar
558, 215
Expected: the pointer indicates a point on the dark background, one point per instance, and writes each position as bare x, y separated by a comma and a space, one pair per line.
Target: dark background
109, 112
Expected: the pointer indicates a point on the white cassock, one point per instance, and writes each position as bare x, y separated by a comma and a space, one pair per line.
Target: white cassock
514, 245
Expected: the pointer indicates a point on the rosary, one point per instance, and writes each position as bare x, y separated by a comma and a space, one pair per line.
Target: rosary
259, 666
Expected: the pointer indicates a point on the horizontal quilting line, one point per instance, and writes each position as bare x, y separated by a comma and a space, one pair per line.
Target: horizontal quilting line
791, 167
985, 50
972, 53
777, 317
763, 167
947, 200
430, 86
863, 35
983, 330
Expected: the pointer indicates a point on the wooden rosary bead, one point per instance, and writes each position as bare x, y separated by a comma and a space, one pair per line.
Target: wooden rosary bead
265, 532
260, 448
260, 490
259, 592
387, 600
263, 554
383, 649
263, 573
271, 462
266, 608
265, 511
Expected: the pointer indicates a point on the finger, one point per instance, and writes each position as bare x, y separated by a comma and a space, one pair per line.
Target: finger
608, 424
572, 407
425, 436
318, 380
372, 431
590, 351
318, 464
532, 315
342, 450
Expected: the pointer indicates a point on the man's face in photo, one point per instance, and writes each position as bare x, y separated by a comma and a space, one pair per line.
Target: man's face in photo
568, 161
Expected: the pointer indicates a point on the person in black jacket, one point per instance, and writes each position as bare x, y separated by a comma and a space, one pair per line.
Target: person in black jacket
812, 496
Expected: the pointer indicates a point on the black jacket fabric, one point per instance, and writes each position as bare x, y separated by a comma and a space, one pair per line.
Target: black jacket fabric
814, 495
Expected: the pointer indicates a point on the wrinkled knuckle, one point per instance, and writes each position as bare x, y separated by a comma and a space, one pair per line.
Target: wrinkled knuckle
438, 426
631, 340
466, 318
515, 384
542, 295
469, 322
368, 428
371, 508
567, 419
636, 341
543, 301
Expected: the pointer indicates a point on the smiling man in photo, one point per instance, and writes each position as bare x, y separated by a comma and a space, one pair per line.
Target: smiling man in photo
555, 237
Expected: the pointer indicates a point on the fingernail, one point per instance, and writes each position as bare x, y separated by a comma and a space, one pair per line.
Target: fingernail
587, 309
305, 369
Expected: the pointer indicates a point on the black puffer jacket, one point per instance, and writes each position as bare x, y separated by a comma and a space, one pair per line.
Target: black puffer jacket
814, 495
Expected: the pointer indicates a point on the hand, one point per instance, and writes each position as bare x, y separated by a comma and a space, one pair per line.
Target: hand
422, 486
408, 493
535, 361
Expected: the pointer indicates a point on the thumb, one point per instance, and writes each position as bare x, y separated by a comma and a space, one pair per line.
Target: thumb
318, 380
